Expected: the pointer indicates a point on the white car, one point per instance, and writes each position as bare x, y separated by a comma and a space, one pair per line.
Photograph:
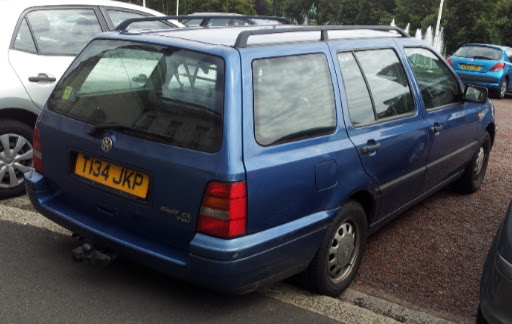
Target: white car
39, 39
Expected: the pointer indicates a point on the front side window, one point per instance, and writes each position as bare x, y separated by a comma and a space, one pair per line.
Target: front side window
156, 92
293, 98
376, 85
62, 31
438, 85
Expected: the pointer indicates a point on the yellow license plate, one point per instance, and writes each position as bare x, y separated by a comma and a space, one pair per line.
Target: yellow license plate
470, 67
113, 176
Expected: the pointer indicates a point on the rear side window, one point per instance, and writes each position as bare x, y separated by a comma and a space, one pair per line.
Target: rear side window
160, 93
293, 98
24, 41
58, 31
118, 16
438, 85
376, 86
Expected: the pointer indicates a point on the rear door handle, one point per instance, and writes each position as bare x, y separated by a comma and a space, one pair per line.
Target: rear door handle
370, 148
42, 77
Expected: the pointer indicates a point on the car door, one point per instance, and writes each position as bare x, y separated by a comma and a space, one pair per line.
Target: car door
384, 124
453, 124
45, 42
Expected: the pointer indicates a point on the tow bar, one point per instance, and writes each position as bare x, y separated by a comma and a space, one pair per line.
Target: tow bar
89, 255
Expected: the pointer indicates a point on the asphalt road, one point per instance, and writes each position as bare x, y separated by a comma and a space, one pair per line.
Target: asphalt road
39, 283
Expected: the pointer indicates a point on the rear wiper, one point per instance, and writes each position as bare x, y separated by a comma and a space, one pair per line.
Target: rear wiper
119, 127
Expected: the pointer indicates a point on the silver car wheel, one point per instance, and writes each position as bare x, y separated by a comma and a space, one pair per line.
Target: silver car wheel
503, 89
342, 253
16, 154
479, 162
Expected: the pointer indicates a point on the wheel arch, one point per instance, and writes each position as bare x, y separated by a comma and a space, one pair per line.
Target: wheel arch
21, 115
367, 201
491, 129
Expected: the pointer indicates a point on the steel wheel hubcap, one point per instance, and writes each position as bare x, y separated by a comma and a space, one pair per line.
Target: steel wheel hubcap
342, 253
479, 161
15, 159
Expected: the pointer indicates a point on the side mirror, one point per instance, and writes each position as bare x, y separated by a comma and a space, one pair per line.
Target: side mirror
474, 93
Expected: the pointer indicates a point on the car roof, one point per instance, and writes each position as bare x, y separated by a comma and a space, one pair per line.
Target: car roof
486, 45
268, 35
17, 6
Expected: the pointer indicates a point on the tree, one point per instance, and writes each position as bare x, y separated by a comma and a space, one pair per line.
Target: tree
504, 21
469, 21
418, 13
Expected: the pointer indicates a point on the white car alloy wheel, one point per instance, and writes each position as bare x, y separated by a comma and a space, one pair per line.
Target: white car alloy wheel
15, 159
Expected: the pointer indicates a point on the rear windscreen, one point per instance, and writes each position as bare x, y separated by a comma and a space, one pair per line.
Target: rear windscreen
479, 52
161, 93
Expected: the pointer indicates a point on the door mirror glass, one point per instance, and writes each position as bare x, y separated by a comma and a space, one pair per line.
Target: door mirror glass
475, 94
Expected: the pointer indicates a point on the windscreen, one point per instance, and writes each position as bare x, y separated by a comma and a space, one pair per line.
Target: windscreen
161, 93
479, 52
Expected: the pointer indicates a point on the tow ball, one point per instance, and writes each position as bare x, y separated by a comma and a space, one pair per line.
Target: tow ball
89, 255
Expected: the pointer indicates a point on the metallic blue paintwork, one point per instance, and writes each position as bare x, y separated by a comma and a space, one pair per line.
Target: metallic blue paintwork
294, 190
484, 77
227, 265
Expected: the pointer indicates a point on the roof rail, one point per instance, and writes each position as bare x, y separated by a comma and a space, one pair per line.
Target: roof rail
241, 40
128, 22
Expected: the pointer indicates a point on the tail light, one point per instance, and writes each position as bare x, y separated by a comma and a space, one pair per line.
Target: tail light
498, 67
37, 156
224, 210
449, 60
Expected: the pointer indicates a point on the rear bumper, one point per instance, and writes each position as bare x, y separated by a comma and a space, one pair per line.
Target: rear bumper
490, 80
236, 266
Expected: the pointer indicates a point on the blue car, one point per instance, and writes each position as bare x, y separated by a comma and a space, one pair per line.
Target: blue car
496, 282
485, 65
238, 156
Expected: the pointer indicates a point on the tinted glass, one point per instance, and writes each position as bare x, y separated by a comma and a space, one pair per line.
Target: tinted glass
438, 85
293, 98
219, 21
192, 22
387, 82
24, 41
163, 94
63, 31
479, 52
360, 106
118, 16
239, 22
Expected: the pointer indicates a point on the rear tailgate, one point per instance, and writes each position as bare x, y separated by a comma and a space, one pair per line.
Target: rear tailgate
177, 179
130, 139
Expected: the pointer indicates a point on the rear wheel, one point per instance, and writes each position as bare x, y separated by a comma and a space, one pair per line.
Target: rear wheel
337, 260
15, 157
475, 171
502, 91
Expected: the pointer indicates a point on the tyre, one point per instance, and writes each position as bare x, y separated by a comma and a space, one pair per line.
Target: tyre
15, 157
337, 260
475, 171
502, 91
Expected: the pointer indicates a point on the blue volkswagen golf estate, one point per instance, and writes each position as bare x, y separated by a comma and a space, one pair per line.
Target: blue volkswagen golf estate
233, 157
